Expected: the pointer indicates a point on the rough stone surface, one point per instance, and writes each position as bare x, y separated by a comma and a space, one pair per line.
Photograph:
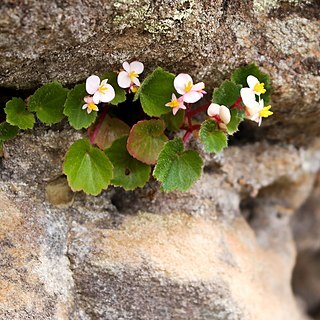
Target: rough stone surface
184, 256
306, 276
69, 40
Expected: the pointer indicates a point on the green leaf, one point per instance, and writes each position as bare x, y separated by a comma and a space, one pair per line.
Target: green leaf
236, 117
128, 173
146, 140
226, 94
120, 93
7, 131
211, 137
107, 130
155, 91
173, 122
240, 75
177, 169
78, 118
18, 115
48, 102
87, 168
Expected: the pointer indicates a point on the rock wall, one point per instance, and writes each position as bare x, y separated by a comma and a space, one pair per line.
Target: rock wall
69, 40
224, 250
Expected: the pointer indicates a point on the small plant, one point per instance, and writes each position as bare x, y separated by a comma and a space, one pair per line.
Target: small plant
133, 126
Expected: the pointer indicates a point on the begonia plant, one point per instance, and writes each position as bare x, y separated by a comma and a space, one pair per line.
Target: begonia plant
133, 124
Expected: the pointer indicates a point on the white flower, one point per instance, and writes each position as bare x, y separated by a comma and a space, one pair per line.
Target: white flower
191, 93
255, 110
129, 77
255, 85
220, 113
175, 104
102, 92
89, 104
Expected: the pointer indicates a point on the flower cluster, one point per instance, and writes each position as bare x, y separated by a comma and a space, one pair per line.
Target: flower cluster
128, 78
190, 93
101, 91
221, 114
255, 110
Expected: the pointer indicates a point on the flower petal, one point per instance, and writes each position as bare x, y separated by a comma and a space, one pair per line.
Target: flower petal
136, 81
213, 109
225, 115
198, 87
248, 97
126, 66
87, 99
124, 80
180, 81
92, 84
108, 95
85, 106
175, 110
137, 67
96, 97
192, 96
252, 81
103, 82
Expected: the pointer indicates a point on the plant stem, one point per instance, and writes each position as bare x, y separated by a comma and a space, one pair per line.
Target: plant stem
194, 112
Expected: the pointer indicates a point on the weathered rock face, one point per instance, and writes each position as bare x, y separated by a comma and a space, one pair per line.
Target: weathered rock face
69, 40
185, 256
306, 276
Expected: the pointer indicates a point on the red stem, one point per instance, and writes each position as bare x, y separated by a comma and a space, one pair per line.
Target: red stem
199, 110
186, 136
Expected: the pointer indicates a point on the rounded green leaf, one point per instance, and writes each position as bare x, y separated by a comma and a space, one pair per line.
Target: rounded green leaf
211, 137
236, 117
146, 139
48, 102
18, 115
87, 168
226, 94
107, 130
120, 93
7, 131
155, 91
78, 118
173, 122
177, 169
240, 75
128, 173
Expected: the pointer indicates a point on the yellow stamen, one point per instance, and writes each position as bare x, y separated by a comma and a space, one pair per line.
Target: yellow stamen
92, 106
133, 75
188, 86
173, 103
134, 89
259, 87
265, 113
102, 89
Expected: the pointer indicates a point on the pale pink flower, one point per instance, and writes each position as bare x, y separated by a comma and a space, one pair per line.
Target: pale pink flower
220, 113
89, 104
255, 85
191, 93
255, 110
175, 104
129, 77
101, 91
